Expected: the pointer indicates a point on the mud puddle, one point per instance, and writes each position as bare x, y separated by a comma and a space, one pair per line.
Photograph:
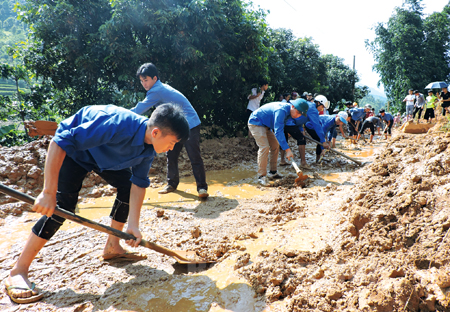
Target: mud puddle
221, 183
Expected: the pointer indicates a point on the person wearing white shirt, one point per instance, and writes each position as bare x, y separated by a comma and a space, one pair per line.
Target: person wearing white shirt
254, 99
409, 99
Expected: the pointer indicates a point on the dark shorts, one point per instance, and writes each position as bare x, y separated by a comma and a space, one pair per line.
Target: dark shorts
296, 133
429, 113
70, 180
417, 110
351, 128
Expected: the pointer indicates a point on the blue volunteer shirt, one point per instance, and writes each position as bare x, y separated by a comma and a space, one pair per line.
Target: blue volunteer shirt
274, 116
314, 122
328, 123
161, 93
358, 114
107, 138
387, 117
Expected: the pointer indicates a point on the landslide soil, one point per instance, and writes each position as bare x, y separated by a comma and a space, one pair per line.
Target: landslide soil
376, 240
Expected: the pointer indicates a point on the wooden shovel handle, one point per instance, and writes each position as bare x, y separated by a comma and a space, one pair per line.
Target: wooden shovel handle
335, 151
91, 224
297, 169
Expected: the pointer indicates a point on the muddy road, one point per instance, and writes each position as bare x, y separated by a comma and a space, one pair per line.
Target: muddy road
371, 238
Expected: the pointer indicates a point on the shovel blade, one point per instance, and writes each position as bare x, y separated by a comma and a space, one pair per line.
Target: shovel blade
190, 255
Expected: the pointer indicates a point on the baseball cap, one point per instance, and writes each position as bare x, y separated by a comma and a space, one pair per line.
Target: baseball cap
301, 105
343, 117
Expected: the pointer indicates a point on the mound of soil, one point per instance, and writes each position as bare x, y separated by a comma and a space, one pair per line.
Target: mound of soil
390, 250
416, 128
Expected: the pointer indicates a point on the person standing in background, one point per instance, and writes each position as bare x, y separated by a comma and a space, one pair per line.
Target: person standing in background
254, 100
419, 104
409, 99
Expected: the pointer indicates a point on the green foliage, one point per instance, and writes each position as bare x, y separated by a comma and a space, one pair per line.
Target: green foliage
213, 51
6, 129
411, 50
339, 82
294, 64
376, 102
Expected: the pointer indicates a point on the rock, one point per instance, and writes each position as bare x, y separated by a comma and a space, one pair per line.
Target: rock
318, 274
159, 213
421, 201
443, 279
396, 273
242, 260
196, 232
290, 253
352, 230
334, 293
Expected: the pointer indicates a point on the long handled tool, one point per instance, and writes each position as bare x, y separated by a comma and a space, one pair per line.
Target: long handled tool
335, 151
184, 257
301, 177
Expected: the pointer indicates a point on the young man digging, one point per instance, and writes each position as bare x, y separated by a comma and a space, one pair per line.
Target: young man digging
262, 121
157, 94
108, 140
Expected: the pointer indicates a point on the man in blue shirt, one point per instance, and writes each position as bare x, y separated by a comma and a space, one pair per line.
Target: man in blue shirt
273, 116
388, 120
329, 123
358, 114
108, 140
314, 127
158, 93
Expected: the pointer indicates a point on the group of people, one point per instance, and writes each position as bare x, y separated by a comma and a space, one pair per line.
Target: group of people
273, 123
416, 103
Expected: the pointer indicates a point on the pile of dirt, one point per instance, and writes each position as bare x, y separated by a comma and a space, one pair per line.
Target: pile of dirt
416, 128
22, 168
389, 251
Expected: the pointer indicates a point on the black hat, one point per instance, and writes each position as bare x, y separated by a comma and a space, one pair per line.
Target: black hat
382, 110
416, 91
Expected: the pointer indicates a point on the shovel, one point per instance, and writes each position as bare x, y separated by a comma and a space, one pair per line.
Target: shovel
335, 151
183, 257
301, 177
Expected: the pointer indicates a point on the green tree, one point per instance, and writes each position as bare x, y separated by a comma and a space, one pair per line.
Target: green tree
294, 64
210, 50
411, 50
339, 81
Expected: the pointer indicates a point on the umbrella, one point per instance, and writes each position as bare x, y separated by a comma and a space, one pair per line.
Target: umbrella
436, 85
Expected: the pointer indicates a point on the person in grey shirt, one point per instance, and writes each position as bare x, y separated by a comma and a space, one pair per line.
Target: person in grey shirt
419, 104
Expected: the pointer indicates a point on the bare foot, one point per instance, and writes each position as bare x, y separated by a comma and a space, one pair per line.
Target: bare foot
113, 248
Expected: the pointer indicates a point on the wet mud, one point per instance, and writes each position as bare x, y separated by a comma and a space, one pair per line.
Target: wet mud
370, 238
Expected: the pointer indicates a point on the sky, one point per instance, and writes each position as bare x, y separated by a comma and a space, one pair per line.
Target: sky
339, 27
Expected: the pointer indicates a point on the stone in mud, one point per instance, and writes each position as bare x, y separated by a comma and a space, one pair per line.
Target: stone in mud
396, 273
289, 252
242, 261
442, 278
334, 293
359, 218
318, 274
196, 232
